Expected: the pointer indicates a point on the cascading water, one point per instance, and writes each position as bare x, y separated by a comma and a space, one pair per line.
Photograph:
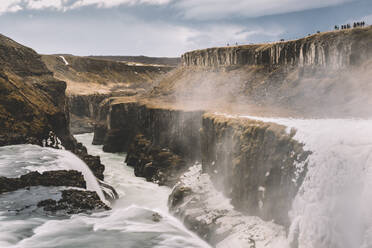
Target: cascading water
138, 220
18, 160
333, 206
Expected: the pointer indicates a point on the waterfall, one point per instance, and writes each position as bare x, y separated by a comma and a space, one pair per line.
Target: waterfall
21, 159
70, 161
333, 206
138, 219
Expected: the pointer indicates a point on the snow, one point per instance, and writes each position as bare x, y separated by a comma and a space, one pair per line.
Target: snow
64, 60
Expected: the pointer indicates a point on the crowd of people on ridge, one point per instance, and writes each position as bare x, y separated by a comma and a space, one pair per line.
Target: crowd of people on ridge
348, 26
342, 27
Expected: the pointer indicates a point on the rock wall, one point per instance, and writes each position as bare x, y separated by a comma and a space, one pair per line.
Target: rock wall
33, 103
331, 49
165, 127
257, 165
85, 111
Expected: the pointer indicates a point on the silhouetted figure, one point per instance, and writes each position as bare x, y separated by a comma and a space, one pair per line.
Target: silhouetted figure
228, 44
348, 26
318, 32
236, 43
337, 27
355, 25
281, 39
363, 23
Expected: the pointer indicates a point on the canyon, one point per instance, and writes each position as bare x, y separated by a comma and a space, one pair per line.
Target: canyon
227, 129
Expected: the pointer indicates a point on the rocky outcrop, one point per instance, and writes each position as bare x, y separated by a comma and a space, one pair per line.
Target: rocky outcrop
84, 112
175, 129
258, 165
74, 202
49, 178
33, 105
326, 75
32, 102
330, 49
158, 140
158, 165
209, 213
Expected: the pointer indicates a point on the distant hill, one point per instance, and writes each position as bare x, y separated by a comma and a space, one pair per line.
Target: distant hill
143, 59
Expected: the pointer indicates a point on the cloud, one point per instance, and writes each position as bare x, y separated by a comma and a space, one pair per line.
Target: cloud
219, 9
189, 9
64, 5
9, 5
113, 3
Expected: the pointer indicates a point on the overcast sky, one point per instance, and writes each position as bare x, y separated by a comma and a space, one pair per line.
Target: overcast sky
167, 27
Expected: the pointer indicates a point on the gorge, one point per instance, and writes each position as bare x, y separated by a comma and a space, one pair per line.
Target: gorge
265, 145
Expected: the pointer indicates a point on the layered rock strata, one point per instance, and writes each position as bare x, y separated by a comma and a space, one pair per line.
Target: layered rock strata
331, 49
34, 110
258, 165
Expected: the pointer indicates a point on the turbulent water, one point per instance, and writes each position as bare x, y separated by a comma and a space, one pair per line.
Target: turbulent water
133, 222
333, 208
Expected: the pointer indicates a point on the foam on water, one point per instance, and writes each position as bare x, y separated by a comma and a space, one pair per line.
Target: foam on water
333, 206
133, 222
21, 159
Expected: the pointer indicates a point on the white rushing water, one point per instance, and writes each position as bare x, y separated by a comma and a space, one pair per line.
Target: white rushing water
133, 222
333, 208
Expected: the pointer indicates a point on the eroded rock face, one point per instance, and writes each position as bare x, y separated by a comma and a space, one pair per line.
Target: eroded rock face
32, 101
100, 131
258, 165
85, 110
210, 214
49, 178
74, 202
331, 49
156, 164
175, 129
93, 162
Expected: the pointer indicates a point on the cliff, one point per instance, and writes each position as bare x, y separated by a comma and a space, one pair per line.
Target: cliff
331, 49
32, 101
33, 104
323, 75
258, 165
85, 75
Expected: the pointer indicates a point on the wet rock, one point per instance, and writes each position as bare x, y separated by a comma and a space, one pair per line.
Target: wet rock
156, 217
177, 196
116, 140
207, 212
153, 163
74, 202
258, 165
93, 162
49, 178
100, 131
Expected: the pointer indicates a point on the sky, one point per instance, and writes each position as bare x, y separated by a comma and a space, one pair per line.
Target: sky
167, 28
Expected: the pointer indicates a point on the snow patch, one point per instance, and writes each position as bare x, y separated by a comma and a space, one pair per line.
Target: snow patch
64, 60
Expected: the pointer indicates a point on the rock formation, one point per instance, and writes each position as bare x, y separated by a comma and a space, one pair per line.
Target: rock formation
258, 166
34, 110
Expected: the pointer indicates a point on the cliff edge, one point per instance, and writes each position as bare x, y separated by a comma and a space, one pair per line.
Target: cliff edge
323, 75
